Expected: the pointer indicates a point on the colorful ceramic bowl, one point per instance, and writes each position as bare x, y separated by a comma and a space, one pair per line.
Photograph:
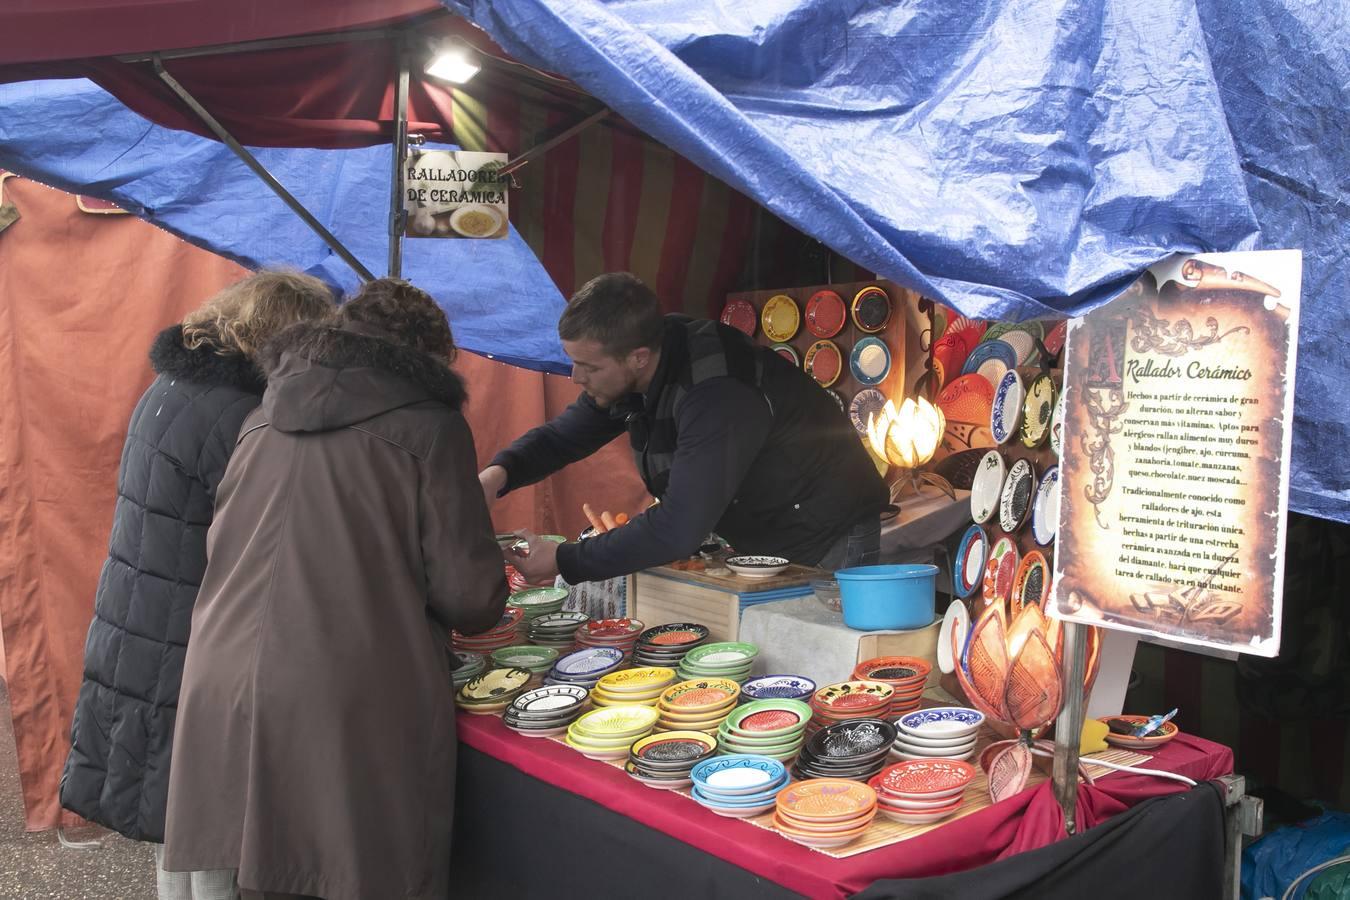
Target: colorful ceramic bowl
779, 687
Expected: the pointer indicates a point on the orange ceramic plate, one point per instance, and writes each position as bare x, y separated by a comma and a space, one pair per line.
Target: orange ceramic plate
1169, 731
826, 798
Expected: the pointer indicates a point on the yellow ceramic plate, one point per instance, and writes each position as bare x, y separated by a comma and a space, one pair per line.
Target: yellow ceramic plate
636, 681
780, 318
495, 683
616, 721
606, 700
700, 695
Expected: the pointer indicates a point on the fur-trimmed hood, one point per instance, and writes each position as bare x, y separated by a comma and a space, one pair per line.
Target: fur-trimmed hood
322, 377
169, 357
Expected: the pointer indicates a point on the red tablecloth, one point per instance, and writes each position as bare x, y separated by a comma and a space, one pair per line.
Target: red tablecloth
1030, 820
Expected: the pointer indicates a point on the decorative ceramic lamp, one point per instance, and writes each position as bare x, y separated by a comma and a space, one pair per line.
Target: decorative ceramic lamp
907, 438
1014, 675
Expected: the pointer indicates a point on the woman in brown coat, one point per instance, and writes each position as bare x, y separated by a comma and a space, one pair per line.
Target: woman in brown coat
315, 748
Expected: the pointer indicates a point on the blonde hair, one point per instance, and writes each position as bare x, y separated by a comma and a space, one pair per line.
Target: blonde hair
243, 316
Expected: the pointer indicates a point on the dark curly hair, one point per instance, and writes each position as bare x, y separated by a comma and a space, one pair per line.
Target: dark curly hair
403, 313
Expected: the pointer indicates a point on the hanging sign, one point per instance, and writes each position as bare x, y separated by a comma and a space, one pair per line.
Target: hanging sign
1175, 466
455, 194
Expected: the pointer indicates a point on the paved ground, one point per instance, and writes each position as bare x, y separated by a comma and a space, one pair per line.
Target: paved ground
36, 866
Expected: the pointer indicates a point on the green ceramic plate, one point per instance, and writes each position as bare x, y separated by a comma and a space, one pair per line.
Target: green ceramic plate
722, 655
763, 714
525, 656
535, 597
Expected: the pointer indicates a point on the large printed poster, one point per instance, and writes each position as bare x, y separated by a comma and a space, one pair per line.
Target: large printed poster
1175, 468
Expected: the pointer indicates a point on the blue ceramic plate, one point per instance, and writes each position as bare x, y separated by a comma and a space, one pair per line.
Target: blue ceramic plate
865, 403
742, 802
1005, 415
778, 687
968, 570
947, 718
588, 662
741, 774
870, 361
987, 350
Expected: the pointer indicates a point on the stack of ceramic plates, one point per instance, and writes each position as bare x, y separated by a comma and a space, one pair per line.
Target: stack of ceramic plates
536, 660
503, 634
471, 665
621, 634
546, 711
738, 786
825, 812
905, 674
585, 667
947, 732
855, 750
773, 728
665, 760
536, 602
640, 686
850, 700
725, 659
921, 792
491, 692
557, 630
778, 687
666, 645
608, 733
697, 705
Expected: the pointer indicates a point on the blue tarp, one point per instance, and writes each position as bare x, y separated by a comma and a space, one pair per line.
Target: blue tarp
496, 293
1012, 159
1009, 157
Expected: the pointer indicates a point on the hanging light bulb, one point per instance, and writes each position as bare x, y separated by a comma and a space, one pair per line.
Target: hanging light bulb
453, 60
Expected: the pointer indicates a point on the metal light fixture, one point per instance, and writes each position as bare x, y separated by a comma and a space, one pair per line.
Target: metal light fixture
453, 60
907, 438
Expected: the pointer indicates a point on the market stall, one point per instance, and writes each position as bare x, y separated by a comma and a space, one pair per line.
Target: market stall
804, 196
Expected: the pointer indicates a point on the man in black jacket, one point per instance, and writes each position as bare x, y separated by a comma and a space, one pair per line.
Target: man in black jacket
729, 436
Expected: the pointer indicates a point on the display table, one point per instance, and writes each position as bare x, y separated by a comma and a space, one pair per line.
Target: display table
806, 638
567, 795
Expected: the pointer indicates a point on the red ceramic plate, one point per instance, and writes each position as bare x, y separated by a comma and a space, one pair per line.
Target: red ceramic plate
769, 720
968, 399
924, 776
824, 362
739, 314
825, 314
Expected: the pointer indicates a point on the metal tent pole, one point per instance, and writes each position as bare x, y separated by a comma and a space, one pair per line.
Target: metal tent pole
397, 215
1069, 725
261, 171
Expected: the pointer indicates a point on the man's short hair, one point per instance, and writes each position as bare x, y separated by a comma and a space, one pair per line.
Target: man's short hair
615, 310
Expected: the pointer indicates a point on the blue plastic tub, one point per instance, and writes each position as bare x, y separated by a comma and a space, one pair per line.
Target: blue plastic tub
879, 598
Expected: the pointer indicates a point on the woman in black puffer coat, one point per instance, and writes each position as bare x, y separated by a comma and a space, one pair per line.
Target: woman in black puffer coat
179, 441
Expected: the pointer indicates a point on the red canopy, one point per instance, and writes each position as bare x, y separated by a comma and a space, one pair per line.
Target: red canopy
63, 30
337, 94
